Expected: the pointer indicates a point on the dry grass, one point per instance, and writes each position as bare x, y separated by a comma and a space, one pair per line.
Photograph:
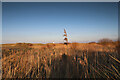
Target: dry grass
76, 60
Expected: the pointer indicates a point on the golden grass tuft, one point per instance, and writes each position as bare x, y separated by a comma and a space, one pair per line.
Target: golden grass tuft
75, 60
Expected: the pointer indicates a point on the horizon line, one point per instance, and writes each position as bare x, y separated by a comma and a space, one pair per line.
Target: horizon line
54, 42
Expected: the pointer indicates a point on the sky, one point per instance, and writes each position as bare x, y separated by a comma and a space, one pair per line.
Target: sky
44, 22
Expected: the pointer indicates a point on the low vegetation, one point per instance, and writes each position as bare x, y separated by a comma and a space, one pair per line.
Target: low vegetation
75, 60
